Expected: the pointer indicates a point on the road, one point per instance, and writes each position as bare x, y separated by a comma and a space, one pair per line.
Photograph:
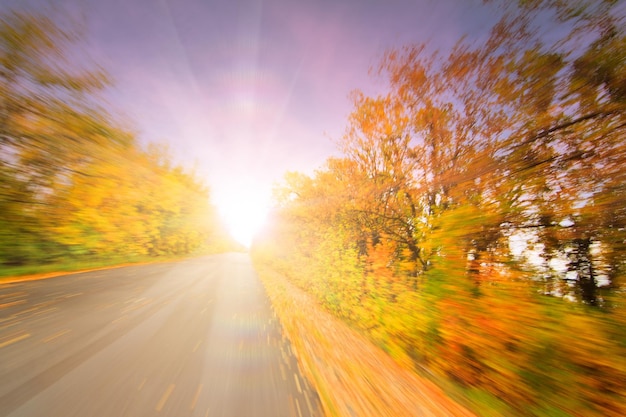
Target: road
191, 338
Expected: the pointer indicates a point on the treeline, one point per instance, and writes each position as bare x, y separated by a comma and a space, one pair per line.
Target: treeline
475, 225
73, 183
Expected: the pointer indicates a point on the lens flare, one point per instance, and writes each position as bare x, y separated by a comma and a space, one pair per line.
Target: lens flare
244, 210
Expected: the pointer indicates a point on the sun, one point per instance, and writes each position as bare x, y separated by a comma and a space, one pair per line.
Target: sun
244, 210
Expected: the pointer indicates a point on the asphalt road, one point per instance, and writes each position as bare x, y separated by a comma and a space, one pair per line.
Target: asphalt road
192, 338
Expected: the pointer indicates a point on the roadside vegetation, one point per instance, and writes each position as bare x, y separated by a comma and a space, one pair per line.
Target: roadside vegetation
474, 226
352, 375
77, 189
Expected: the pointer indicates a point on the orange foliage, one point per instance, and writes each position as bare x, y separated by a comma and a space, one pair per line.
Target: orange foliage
411, 235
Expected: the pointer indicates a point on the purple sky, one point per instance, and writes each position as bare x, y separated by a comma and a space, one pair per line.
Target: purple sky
250, 89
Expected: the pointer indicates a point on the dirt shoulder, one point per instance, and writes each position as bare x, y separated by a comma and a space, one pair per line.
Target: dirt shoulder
353, 377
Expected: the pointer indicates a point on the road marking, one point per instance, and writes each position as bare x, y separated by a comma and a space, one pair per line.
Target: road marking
118, 319
166, 395
142, 384
297, 383
282, 372
195, 397
197, 346
15, 339
298, 407
56, 335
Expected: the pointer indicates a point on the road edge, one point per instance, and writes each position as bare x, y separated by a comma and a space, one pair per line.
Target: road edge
55, 274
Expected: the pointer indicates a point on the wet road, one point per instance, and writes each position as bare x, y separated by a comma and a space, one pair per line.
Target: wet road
192, 338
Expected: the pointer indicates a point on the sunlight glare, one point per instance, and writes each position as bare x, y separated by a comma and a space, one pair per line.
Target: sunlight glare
244, 209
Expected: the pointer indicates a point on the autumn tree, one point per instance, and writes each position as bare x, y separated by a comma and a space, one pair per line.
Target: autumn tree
47, 124
517, 127
75, 184
568, 139
485, 181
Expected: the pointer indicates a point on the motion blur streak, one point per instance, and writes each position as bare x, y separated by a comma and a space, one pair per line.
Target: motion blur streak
474, 226
75, 186
470, 229
192, 338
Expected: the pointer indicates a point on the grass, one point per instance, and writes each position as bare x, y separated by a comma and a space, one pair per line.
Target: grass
74, 265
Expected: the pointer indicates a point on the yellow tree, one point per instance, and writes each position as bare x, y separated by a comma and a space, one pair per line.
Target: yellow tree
47, 125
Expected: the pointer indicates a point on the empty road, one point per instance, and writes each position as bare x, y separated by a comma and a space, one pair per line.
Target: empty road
190, 338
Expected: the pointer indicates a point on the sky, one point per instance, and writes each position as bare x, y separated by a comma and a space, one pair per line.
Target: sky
246, 90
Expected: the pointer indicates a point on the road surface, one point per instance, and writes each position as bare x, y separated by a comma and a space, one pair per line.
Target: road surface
191, 338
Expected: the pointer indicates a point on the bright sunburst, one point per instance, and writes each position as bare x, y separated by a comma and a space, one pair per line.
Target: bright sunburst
244, 209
